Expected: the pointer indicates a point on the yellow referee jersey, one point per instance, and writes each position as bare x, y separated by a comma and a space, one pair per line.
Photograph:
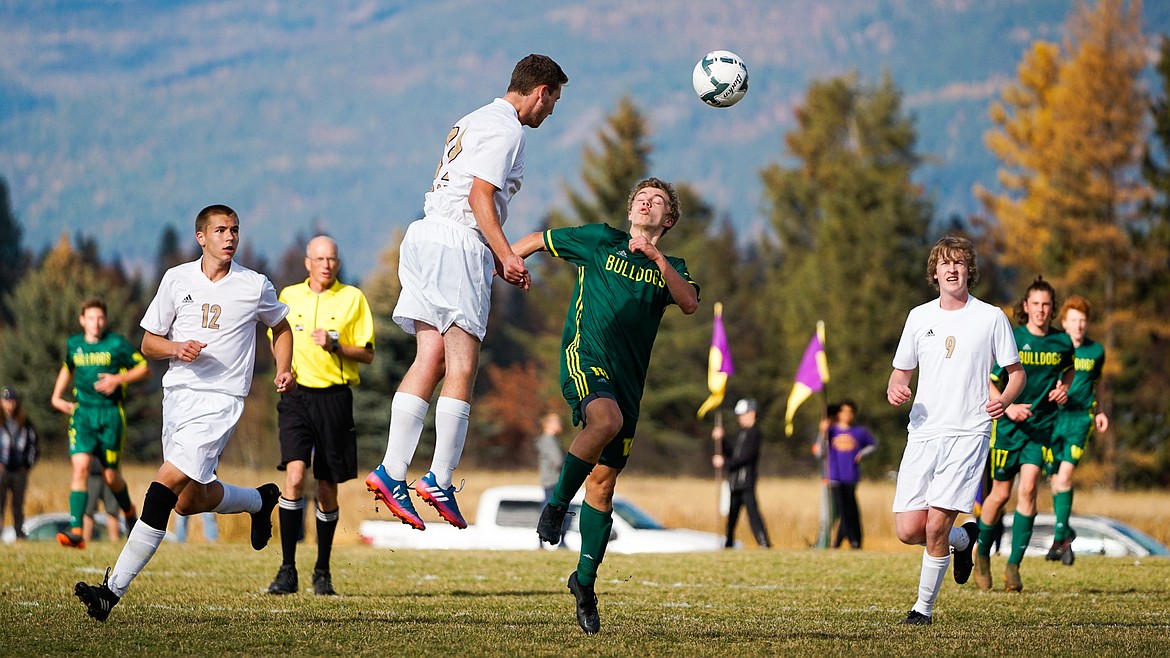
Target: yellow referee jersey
341, 308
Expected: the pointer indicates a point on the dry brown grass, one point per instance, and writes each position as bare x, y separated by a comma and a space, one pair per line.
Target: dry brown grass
791, 505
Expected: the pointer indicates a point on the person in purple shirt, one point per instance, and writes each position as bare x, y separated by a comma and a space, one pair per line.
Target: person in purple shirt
848, 444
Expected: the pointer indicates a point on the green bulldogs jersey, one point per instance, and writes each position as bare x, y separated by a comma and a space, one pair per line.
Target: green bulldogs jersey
1090, 361
111, 354
1045, 360
615, 311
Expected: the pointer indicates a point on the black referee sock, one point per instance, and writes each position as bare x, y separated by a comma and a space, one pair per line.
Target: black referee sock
292, 521
326, 527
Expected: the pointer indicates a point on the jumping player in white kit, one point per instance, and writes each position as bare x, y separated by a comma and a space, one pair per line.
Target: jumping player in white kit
203, 319
953, 341
446, 265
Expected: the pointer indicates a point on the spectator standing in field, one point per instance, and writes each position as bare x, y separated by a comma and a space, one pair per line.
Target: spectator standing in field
550, 455
952, 341
446, 264
333, 332
99, 365
741, 457
1075, 422
18, 454
624, 285
203, 321
99, 492
848, 445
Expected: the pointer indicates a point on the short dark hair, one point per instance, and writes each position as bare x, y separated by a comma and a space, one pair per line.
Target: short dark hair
207, 213
536, 70
953, 247
94, 302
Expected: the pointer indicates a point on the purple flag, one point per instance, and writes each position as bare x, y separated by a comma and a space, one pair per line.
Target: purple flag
810, 376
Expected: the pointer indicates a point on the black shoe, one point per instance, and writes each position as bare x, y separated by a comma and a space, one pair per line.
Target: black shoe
1054, 552
916, 618
285, 581
98, 599
963, 560
262, 520
1066, 557
323, 583
587, 615
552, 518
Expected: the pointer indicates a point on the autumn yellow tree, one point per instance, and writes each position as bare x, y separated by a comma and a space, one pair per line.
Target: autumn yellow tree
1070, 135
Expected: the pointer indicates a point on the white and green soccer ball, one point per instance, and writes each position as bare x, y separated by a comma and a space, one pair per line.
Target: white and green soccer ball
720, 78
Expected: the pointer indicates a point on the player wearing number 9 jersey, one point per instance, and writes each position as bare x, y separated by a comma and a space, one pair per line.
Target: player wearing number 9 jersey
953, 341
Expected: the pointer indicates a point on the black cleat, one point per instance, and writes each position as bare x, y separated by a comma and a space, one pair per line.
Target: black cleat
285, 581
963, 560
323, 583
262, 520
1066, 557
1054, 551
587, 615
552, 519
98, 599
916, 618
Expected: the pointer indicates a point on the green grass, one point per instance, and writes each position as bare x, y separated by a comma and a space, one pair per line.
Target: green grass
208, 600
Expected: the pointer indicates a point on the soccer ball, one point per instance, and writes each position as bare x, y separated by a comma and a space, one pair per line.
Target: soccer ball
720, 78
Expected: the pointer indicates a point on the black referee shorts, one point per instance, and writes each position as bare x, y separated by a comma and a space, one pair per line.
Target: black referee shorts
316, 427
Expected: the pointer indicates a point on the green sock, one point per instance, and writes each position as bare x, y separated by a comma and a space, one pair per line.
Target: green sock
1021, 535
573, 475
595, 528
1062, 506
123, 498
986, 536
77, 502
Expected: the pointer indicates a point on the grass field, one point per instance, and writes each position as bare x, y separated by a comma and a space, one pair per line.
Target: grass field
208, 600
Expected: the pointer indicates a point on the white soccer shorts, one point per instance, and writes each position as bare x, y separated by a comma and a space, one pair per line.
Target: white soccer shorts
446, 274
196, 428
943, 472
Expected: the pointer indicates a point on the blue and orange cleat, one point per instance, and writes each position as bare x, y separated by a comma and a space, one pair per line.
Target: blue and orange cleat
443, 500
395, 495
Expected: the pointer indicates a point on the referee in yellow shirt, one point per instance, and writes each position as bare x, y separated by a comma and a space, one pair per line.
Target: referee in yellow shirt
333, 331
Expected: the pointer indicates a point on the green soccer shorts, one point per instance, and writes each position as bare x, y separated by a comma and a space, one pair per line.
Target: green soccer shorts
587, 385
98, 431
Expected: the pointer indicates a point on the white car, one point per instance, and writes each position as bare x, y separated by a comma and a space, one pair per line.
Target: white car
1095, 535
44, 527
506, 520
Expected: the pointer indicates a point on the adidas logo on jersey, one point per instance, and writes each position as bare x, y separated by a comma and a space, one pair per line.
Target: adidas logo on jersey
930, 333
1026, 346
187, 300
622, 253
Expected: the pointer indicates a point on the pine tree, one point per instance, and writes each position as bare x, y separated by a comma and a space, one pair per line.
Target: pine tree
13, 259
852, 233
1071, 135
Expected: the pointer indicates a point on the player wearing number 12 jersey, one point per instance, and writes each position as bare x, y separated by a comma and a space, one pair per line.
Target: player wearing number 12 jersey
203, 321
624, 284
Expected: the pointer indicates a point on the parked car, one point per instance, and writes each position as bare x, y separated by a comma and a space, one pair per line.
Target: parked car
506, 520
44, 527
1096, 535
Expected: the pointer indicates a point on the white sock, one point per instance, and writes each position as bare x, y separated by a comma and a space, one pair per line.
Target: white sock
934, 570
140, 547
451, 418
407, 413
238, 499
959, 539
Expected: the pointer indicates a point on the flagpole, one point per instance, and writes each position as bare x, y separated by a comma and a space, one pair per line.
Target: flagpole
825, 526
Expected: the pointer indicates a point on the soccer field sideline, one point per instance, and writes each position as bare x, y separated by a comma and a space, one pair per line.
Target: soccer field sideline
205, 600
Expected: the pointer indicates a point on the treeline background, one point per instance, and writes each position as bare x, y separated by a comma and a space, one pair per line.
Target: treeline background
1081, 198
